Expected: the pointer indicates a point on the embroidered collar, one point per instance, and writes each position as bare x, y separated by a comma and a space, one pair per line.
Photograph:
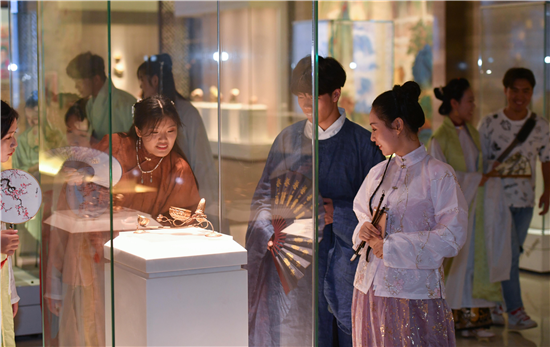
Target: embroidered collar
412, 157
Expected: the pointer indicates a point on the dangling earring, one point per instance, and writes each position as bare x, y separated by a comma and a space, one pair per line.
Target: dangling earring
139, 143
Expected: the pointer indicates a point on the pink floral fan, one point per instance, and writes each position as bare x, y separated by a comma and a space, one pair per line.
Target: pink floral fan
21, 196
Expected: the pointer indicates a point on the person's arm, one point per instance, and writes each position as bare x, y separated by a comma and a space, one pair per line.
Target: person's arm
14, 297
485, 140
183, 191
122, 119
426, 249
544, 156
362, 211
544, 201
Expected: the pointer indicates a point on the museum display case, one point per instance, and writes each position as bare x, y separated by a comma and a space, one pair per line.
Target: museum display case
123, 251
99, 255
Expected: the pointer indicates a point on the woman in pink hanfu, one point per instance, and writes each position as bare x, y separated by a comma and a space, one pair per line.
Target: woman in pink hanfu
399, 297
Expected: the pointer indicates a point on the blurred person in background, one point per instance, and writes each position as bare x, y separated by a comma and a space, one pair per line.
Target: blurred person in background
498, 132
88, 73
471, 291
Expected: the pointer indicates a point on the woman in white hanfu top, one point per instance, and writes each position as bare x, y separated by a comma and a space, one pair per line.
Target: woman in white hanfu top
399, 297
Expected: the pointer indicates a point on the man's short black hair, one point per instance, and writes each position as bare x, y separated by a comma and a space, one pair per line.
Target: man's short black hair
32, 101
86, 65
331, 76
517, 73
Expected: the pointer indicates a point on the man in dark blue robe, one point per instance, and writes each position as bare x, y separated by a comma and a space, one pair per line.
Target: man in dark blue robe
346, 154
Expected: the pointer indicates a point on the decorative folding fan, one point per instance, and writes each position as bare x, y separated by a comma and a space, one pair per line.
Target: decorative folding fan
52, 161
291, 211
516, 166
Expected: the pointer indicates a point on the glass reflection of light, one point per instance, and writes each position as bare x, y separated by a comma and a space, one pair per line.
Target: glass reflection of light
216, 56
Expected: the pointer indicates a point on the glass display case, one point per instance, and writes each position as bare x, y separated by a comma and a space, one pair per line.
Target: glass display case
133, 112
213, 79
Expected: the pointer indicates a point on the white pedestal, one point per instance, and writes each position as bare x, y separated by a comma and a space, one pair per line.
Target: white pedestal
536, 252
177, 287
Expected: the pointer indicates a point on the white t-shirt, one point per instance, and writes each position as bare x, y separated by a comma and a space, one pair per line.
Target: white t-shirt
497, 132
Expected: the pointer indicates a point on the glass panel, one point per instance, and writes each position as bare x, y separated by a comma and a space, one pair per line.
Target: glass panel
6, 45
73, 176
382, 43
19, 88
520, 43
267, 182
163, 52
365, 50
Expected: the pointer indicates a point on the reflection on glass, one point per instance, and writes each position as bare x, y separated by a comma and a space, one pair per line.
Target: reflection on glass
156, 77
74, 115
87, 70
19, 88
279, 236
11, 203
521, 43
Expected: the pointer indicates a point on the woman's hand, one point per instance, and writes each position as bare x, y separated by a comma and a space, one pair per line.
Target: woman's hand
270, 243
54, 306
10, 241
369, 232
72, 176
15, 308
329, 211
377, 246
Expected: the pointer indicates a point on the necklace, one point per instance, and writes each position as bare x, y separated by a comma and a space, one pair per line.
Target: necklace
146, 172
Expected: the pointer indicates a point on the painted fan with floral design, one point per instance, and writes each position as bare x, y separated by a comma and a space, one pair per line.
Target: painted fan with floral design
21, 196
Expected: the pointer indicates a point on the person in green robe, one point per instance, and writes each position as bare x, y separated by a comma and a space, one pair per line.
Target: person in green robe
456, 142
26, 157
88, 73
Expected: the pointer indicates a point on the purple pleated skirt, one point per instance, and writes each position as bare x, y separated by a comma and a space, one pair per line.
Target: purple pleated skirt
379, 321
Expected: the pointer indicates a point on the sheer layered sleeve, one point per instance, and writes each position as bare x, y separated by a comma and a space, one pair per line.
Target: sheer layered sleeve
361, 209
426, 249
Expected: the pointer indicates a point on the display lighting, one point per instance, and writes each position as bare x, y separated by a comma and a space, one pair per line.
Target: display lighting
547, 59
479, 62
489, 72
12, 67
352, 65
225, 56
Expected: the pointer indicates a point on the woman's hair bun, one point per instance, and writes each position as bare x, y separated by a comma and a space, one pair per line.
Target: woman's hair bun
439, 93
407, 99
401, 102
453, 90
411, 90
